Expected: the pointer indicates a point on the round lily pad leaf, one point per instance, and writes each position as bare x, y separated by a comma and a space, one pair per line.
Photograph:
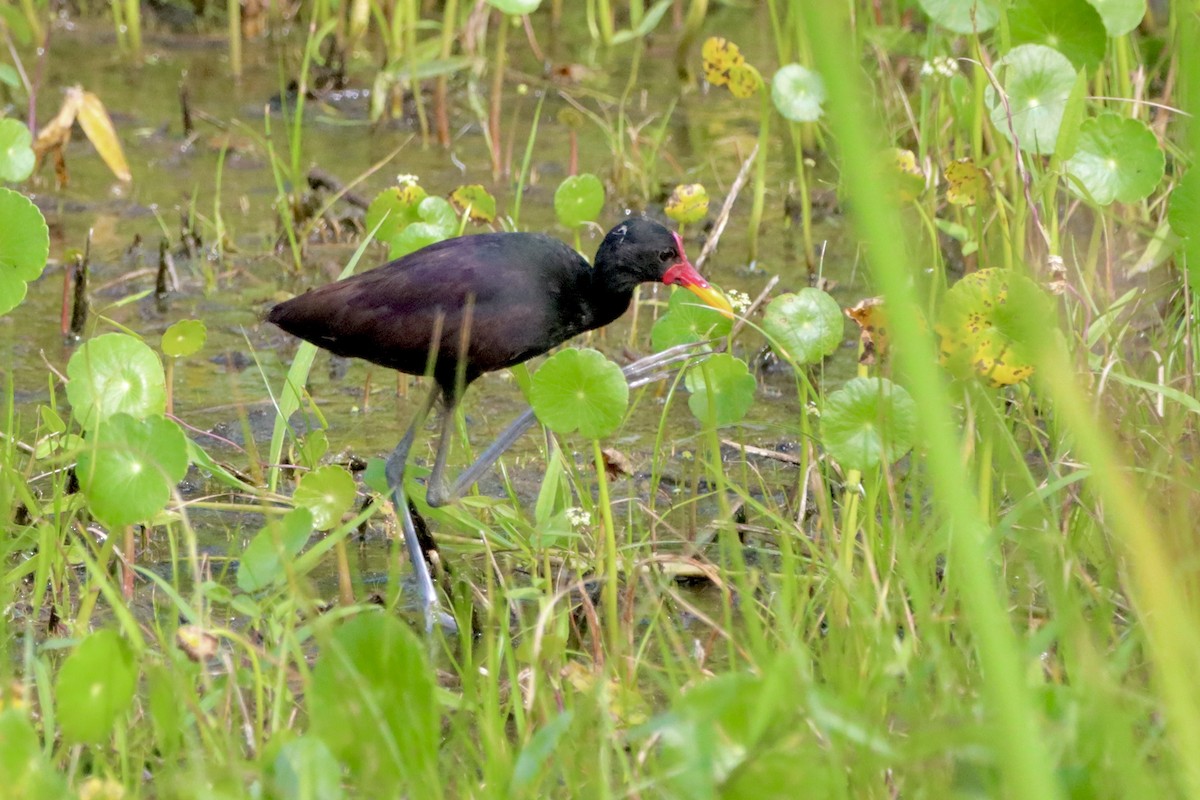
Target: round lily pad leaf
264, 561
328, 492
798, 93
1072, 27
128, 467
394, 209
515, 7
688, 203
115, 373
373, 675
438, 212
1183, 210
963, 16
1117, 158
414, 237
1038, 82
722, 389
184, 338
579, 199
476, 201
95, 687
16, 153
1120, 16
990, 325
688, 320
436, 222
580, 389
24, 247
804, 327
867, 422
966, 182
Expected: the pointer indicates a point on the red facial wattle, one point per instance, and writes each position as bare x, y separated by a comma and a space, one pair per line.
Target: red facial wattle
682, 273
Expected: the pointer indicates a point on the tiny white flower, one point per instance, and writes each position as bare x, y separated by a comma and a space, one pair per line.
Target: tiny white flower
941, 66
578, 517
739, 300
405, 180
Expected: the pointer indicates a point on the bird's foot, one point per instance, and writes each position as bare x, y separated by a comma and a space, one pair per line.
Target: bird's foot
436, 617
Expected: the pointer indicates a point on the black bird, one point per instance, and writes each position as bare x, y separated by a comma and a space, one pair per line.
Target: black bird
462, 307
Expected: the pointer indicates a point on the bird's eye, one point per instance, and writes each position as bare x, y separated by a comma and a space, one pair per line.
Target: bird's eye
666, 255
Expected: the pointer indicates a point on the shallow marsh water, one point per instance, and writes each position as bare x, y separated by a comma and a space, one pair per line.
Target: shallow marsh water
224, 173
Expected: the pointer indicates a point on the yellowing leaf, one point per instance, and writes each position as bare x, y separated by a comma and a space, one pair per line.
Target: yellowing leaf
476, 200
98, 128
910, 180
871, 317
744, 81
410, 193
967, 182
688, 203
56, 133
980, 330
719, 56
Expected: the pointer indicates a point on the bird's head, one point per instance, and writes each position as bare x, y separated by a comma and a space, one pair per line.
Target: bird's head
648, 251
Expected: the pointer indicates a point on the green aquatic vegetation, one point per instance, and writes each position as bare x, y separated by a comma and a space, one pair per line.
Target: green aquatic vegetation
128, 467
814, 581
578, 200
270, 555
115, 374
1116, 159
580, 390
721, 390
868, 422
24, 247
16, 155
687, 321
1037, 82
406, 218
804, 327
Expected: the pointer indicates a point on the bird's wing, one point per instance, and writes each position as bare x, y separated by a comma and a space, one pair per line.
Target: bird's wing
513, 304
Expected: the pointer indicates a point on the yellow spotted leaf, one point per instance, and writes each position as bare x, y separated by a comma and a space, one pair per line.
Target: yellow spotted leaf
718, 57
871, 318
410, 193
476, 200
985, 334
744, 81
688, 203
966, 182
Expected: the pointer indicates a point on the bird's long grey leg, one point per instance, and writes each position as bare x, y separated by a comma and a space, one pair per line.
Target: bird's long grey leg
399, 458
469, 476
436, 491
395, 476
639, 373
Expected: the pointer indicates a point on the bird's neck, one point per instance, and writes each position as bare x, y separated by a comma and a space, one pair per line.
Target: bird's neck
612, 291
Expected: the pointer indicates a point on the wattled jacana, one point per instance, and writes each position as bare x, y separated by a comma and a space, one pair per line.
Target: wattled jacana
462, 307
